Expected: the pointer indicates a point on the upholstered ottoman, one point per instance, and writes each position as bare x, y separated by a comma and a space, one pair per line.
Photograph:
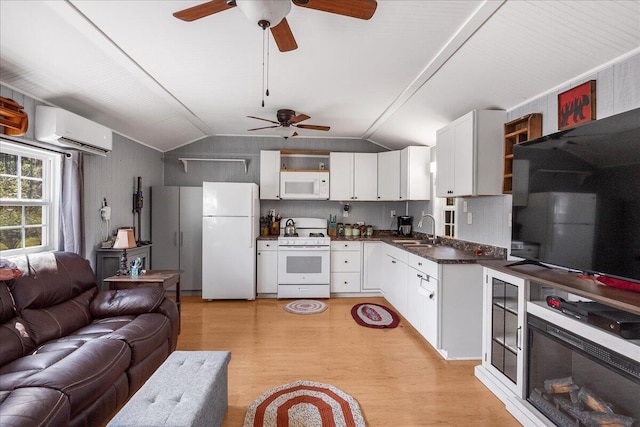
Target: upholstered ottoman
189, 389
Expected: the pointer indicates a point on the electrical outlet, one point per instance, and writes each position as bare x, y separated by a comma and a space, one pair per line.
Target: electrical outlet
510, 219
464, 206
469, 218
393, 213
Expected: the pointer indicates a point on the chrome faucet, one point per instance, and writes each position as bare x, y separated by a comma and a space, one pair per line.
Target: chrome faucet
432, 239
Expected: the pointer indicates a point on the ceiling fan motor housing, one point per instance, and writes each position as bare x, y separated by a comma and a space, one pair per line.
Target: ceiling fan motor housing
284, 115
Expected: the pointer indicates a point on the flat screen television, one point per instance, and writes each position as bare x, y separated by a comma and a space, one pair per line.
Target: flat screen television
576, 198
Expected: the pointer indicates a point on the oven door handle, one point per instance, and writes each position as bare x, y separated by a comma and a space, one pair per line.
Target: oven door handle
303, 248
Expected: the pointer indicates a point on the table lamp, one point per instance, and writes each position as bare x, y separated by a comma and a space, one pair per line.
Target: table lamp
124, 240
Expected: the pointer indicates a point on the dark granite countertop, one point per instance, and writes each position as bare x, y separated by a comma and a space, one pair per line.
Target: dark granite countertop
447, 251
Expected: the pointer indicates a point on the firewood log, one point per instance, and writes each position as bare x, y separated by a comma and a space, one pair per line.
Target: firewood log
592, 401
609, 420
560, 385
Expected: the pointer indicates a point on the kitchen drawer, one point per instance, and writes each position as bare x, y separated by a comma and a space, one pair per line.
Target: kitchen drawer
424, 265
345, 261
267, 245
345, 282
304, 291
346, 246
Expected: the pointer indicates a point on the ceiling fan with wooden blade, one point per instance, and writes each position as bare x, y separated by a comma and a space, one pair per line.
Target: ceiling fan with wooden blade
272, 14
288, 119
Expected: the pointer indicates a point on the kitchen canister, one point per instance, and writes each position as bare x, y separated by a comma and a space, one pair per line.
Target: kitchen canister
348, 230
355, 231
369, 230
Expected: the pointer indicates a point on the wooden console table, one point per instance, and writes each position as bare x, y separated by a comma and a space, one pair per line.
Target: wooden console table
165, 278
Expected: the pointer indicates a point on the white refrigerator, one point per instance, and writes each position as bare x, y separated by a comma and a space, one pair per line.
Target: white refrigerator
230, 226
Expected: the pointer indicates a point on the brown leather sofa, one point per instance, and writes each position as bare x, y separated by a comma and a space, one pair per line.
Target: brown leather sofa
69, 354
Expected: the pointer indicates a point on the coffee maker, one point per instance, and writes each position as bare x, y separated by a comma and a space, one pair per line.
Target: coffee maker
405, 225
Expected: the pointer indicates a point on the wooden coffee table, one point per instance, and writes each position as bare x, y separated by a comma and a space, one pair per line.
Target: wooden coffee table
165, 278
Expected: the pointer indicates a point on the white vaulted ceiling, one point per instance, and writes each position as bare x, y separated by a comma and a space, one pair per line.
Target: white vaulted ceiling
394, 79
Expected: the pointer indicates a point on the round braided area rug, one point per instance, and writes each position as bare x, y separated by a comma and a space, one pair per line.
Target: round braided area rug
304, 404
305, 306
374, 316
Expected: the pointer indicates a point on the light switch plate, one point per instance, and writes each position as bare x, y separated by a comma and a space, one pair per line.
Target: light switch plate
469, 218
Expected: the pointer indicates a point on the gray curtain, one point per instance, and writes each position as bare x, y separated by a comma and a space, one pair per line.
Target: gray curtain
71, 211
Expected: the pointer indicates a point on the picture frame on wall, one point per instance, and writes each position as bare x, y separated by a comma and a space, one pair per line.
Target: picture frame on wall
577, 105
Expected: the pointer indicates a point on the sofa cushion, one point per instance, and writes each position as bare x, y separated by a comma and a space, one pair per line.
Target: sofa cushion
120, 302
15, 337
81, 370
143, 334
54, 293
34, 406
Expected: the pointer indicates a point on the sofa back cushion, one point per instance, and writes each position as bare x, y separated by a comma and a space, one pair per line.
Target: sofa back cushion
54, 293
15, 338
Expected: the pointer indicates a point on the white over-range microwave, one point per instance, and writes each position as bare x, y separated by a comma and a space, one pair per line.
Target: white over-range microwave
304, 185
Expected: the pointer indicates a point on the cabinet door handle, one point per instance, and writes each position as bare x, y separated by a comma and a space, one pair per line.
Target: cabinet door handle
419, 263
267, 245
259, 253
393, 262
518, 334
345, 261
432, 295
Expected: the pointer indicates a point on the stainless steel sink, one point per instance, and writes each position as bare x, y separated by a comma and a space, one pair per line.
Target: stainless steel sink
407, 241
420, 245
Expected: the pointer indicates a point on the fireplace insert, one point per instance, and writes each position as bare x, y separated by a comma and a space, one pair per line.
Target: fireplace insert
574, 381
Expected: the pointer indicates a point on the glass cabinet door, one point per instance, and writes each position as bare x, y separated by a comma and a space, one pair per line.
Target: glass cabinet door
505, 332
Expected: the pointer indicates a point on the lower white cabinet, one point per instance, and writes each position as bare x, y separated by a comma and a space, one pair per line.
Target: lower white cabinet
346, 262
442, 301
267, 266
503, 333
373, 256
394, 286
423, 312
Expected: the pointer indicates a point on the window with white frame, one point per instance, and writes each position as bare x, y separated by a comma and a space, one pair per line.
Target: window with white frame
449, 216
29, 194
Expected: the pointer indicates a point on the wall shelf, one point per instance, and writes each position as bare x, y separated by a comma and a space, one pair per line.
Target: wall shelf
515, 132
185, 160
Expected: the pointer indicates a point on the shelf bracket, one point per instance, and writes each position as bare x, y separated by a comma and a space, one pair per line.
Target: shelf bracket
185, 160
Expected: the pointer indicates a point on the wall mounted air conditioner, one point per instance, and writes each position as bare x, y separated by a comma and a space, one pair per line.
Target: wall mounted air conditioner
65, 129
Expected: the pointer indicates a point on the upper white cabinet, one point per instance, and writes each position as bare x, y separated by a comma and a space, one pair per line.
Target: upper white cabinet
389, 175
415, 173
354, 176
269, 175
469, 155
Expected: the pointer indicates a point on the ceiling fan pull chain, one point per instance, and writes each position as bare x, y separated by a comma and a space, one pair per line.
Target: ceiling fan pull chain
268, 58
263, 73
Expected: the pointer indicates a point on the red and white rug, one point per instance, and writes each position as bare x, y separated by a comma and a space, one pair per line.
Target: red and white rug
374, 316
304, 404
305, 306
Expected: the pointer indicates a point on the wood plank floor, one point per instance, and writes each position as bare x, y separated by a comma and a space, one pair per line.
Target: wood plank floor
395, 375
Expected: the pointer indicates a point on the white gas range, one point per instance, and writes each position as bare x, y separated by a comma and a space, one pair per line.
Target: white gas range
303, 259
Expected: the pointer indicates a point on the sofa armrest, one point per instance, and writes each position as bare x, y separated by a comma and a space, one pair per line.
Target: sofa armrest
133, 301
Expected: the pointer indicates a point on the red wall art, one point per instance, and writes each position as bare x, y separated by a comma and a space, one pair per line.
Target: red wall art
577, 105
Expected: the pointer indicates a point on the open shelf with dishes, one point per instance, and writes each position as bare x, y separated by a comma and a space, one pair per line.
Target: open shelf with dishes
516, 132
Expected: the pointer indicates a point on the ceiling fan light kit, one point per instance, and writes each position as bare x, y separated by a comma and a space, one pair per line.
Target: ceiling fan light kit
272, 13
265, 13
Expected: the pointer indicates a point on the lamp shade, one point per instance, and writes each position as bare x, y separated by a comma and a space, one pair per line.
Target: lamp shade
271, 11
125, 239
